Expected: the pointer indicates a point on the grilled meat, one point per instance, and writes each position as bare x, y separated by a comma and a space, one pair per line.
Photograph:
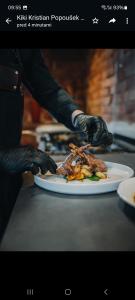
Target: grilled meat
80, 162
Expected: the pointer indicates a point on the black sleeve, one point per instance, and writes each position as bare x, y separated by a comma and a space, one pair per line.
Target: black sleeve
49, 94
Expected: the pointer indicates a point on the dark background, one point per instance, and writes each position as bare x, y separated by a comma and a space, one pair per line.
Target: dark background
88, 275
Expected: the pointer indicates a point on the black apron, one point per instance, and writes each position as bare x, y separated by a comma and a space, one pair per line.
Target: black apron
46, 91
11, 112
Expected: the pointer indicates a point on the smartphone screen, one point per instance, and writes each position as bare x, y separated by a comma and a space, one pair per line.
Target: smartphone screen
67, 149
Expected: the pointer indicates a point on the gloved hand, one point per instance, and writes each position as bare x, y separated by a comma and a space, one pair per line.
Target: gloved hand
94, 129
26, 158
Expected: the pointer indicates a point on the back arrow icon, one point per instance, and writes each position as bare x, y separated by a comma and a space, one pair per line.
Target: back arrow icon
8, 21
107, 292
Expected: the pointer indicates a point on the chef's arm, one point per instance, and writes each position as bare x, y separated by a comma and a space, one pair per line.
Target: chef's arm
48, 93
25, 158
60, 104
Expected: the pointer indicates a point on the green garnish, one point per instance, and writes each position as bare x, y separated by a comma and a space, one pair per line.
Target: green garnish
66, 178
94, 178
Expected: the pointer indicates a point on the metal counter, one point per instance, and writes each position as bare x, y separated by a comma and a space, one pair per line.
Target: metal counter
47, 221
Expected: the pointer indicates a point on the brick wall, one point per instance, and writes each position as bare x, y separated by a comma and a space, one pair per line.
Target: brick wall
111, 84
102, 82
124, 101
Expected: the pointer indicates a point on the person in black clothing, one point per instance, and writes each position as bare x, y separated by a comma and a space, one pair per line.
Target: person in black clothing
27, 66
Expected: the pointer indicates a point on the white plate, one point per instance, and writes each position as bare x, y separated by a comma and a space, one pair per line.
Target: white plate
126, 190
57, 183
53, 128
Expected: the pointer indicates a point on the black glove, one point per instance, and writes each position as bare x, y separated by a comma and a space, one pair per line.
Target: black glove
26, 158
94, 129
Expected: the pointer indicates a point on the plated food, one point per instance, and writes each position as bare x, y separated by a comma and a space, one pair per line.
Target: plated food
116, 173
81, 164
81, 173
126, 191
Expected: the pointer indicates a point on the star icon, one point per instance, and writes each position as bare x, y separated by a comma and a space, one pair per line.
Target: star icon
95, 21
